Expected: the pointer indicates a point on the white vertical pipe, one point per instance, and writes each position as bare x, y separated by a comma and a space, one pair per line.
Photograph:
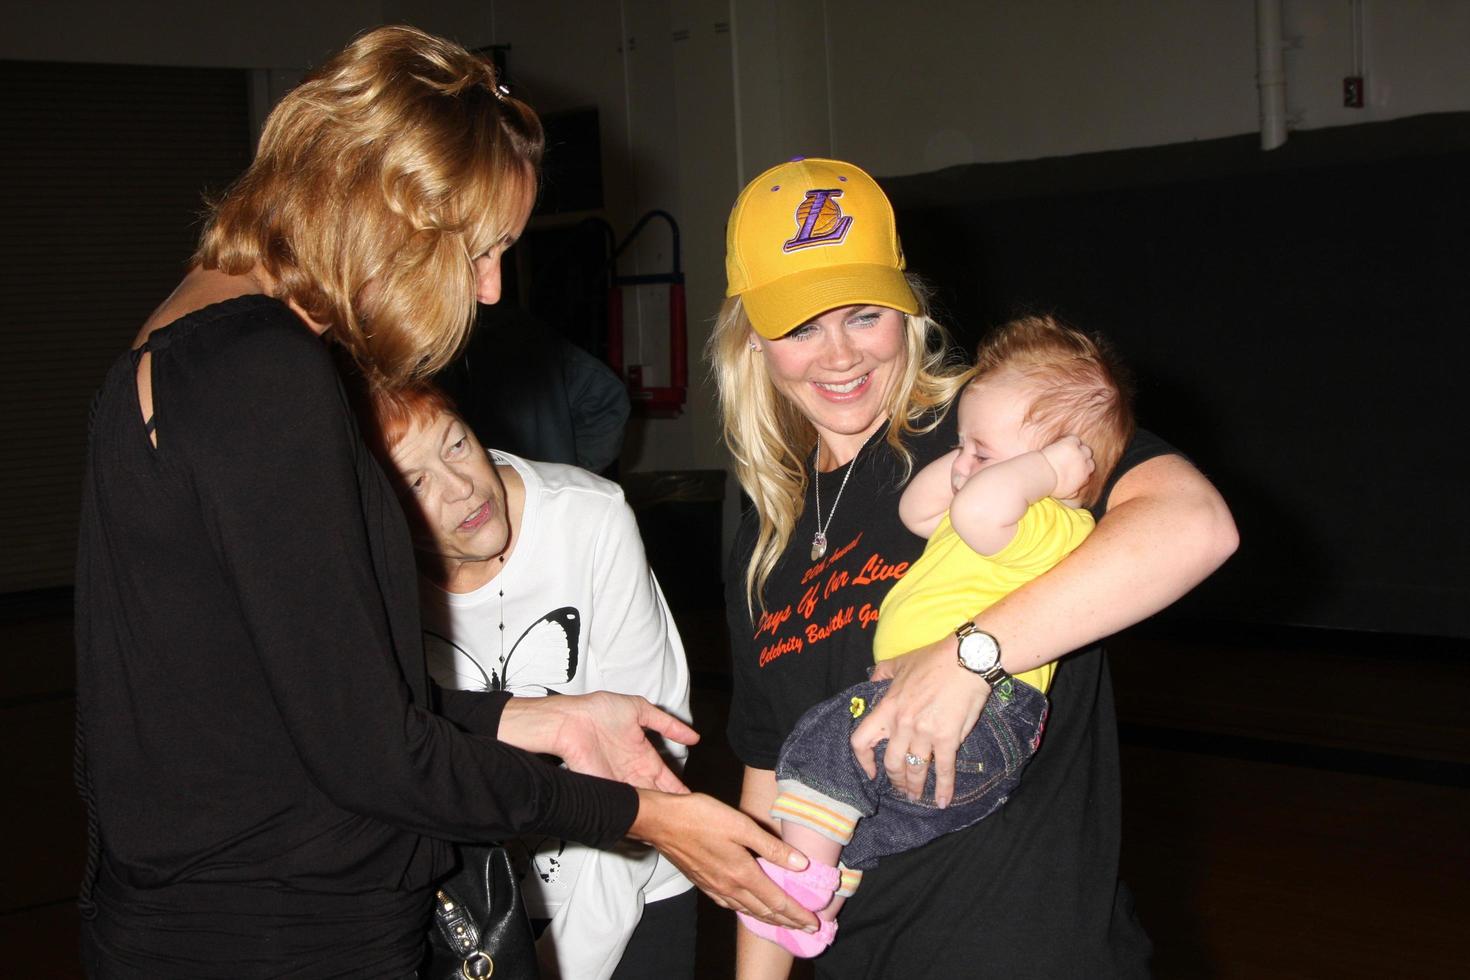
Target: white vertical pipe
742, 171
630, 140
1270, 73
1357, 12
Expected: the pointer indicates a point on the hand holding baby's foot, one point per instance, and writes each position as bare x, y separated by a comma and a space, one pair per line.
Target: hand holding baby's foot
813, 889
794, 941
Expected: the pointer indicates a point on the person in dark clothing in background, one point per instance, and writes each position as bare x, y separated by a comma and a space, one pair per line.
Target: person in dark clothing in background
529, 391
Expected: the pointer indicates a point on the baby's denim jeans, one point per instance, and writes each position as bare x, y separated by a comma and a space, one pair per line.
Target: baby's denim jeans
817, 765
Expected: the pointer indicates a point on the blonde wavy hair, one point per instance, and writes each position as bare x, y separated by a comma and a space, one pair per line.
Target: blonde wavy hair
770, 439
394, 165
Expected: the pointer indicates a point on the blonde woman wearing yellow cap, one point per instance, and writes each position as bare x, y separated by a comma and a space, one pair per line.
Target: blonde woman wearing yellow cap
834, 389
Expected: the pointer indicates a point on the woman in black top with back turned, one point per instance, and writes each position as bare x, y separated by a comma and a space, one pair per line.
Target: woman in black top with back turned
268, 786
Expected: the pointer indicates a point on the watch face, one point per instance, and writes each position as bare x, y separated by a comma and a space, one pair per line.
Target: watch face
979, 651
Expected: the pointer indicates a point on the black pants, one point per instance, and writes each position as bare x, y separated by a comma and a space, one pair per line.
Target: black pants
662, 946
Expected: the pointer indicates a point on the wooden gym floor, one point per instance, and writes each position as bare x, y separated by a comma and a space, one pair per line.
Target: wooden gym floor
1296, 802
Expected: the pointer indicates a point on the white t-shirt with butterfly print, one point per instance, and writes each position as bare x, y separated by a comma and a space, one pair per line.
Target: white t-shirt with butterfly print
581, 611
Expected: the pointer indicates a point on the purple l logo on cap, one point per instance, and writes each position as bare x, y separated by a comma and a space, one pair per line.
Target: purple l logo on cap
819, 221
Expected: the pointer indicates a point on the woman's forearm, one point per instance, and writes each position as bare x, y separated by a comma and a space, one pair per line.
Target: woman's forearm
757, 793
755, 958
1166, 529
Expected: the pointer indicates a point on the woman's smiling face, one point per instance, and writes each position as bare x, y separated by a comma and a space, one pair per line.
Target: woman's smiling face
837, 369
458, 498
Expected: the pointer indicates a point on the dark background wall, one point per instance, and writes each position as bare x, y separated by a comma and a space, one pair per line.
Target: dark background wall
103, 174
1297, 321
1296, 318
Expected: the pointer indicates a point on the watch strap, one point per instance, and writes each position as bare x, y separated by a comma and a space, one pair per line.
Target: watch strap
995, 675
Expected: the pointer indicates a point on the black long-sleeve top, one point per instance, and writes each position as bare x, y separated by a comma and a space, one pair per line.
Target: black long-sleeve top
251, 689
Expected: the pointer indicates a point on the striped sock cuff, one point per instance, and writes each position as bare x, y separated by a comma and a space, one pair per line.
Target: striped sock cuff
826, 820
851, 878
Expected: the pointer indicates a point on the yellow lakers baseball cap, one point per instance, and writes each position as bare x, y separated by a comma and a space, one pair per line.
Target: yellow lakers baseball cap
808, 236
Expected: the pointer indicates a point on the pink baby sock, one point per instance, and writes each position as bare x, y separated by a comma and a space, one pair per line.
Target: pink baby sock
794, 941
813, 889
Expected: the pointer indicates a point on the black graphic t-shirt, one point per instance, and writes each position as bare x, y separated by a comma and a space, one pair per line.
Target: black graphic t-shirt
1031, 891
815, 636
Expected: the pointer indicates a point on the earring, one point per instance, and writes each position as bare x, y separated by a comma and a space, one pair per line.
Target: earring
754, 346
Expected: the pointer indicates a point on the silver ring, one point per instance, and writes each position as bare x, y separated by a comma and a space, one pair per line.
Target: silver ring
914, 760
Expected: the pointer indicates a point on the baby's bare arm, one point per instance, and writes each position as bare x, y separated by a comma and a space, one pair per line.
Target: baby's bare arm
928, 496
987, 509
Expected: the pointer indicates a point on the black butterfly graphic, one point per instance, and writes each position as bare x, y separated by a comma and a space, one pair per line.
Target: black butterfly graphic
545, 655
541, 855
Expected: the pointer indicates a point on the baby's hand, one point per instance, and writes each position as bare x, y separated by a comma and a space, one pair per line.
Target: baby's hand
1071, 459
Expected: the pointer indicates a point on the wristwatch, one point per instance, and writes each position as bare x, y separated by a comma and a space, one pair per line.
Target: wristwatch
980, 653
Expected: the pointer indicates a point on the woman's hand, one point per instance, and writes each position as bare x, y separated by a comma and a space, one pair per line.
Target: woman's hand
712, 844
931, 705
600, 734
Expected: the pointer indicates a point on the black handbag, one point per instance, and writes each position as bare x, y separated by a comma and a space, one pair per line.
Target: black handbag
480, 926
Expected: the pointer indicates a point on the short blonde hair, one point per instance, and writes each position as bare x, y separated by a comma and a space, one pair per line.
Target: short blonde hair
770, 439
1078, 386
395, 164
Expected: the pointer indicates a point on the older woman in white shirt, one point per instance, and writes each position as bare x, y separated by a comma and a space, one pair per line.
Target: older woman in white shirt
534, 581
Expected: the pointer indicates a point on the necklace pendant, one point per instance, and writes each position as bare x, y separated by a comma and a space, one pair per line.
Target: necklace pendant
819, 545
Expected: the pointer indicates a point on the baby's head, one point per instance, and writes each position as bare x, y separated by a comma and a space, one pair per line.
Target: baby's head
1036, 381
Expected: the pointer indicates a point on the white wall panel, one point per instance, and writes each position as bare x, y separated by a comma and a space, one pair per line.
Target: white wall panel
695, 96
921, 87
709, 179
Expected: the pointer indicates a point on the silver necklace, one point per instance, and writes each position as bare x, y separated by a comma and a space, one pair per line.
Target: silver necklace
819, 540
501, 589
